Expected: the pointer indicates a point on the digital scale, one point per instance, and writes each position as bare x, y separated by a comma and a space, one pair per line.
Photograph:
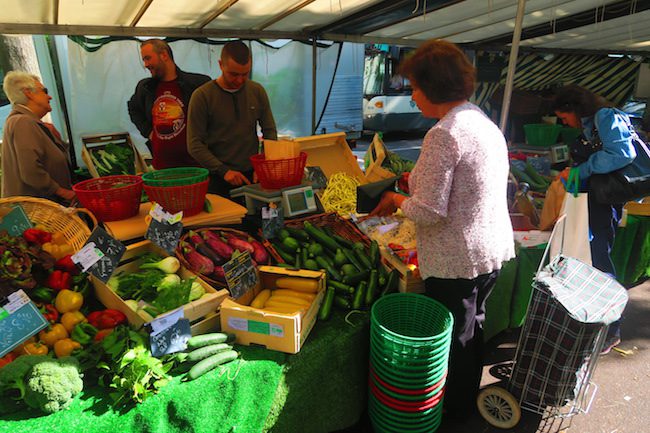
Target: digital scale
294, 200
556, 153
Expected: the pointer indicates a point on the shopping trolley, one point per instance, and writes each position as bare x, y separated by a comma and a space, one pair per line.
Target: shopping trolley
571, 307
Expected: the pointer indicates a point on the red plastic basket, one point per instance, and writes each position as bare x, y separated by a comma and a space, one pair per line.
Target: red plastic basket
186, 198
110, 198
279, 173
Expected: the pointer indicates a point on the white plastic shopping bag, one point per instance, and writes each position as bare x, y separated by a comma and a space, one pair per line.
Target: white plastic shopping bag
573, 238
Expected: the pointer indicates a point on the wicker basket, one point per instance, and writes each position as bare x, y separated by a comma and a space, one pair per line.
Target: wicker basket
333, 221
54, 217
210, 279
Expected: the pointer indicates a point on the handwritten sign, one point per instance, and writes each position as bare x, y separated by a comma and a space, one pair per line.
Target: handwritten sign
164, 234
19, 320
16, 221
240, 274
112, 251
171, 339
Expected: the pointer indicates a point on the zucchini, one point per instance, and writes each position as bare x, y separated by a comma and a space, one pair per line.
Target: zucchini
283, 233
208, 339
304, 256
291, 243
391, 283
352, 258
342, 302
298, 259
372, 288
302, 295
205, 351
261, 299
316, 249
210, 363
320, 236
311, 265
346, 243
340, 287
340, 259
300, 284
374, 252
356, 278
326, 307
359, 295
333, 273
363, 258
295, 233
348, 269
284, 255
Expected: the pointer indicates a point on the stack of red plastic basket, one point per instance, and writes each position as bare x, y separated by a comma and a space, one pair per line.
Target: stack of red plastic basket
178, 189
279, 173
110, 198
410, 341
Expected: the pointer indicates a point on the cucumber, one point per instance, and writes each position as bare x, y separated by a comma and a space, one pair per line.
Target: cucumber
283, 233
326, 308
208, 339
205, 351
352, 258
342, 302
207, 364
295, 233
356, 278
359, 296
283, 254
363, 258
320, 236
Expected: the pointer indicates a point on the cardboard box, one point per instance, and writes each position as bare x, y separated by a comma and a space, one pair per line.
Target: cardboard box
332, 154
409, 280
202, 313
92, 142
376, 154
275, 331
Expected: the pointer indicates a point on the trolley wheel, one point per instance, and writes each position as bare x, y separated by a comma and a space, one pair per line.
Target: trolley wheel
498, 407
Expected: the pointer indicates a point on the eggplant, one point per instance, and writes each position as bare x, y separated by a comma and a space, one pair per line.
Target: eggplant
260, 255
215, 242
239, 244
197, 261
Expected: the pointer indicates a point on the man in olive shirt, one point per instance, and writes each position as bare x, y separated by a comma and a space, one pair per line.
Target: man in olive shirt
222, 121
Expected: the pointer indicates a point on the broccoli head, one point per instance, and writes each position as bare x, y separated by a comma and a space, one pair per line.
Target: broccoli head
52, 385
12, 381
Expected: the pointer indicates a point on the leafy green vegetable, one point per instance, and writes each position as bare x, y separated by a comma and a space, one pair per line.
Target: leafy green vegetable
173, 296
113, 159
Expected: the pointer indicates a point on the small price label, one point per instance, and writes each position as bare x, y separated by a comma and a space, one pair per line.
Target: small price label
110, 251
164, 234
87, 256
240, 274
161, 215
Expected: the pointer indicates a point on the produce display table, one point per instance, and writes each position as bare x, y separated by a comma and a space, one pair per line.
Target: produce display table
320, 389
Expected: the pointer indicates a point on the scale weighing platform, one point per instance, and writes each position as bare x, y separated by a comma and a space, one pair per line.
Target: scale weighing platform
556, 153
294, 200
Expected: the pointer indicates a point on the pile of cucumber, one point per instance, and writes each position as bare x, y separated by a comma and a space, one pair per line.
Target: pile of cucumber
355, 275
207, 352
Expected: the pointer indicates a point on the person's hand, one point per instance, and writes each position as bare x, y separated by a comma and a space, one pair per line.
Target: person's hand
386, 205
66, 194
53, 130
235, 178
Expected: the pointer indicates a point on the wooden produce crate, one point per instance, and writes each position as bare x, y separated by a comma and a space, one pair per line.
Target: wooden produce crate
332, 154
376, 154
276, 331
409, 280
93, 142
202, 313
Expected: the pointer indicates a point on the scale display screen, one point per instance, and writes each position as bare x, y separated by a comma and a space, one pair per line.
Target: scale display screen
298, 201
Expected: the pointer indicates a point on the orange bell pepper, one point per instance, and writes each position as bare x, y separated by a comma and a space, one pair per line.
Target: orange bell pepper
67, 300
55, 333
70, 319
35, 349
65, 347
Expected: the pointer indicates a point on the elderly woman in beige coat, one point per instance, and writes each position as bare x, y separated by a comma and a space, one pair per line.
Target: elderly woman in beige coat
34, 158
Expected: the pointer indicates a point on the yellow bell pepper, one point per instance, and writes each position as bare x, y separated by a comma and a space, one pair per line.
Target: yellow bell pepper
65, 347
58, 238
68, 300
35, 349
55, 333
70, 319
20, 349
57, 250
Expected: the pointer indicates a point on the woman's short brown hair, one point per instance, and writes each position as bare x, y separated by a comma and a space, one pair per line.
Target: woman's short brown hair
441, 71
578, 100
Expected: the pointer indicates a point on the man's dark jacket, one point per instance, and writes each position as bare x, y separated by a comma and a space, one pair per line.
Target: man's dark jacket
141, 102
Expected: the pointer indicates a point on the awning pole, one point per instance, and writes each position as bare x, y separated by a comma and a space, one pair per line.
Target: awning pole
314, 52
512, 64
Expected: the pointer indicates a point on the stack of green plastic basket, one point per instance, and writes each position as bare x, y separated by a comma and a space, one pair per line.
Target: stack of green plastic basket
410, 340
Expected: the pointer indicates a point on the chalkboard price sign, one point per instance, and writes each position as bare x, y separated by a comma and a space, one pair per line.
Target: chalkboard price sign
19, 320
172, 339
15, 222
164, 234
112, 249
240, 274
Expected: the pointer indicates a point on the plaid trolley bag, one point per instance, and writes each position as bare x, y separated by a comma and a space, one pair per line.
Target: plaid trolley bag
571, 307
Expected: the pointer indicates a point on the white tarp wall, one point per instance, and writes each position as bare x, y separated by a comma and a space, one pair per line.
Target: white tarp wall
97, 85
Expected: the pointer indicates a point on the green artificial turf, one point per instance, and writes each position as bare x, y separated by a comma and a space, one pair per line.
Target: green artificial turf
321, 389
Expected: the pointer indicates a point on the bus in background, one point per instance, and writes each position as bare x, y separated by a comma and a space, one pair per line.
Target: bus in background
387, 104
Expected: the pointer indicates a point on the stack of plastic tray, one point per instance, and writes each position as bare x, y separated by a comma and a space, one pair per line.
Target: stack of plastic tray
410, 340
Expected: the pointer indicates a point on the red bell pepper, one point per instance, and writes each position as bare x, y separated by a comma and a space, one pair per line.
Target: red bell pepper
102, 334
106, 318
50, 313
9, 357
36, 236
66, 264
59, 280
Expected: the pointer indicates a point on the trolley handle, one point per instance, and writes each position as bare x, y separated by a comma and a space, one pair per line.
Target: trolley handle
560, 221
